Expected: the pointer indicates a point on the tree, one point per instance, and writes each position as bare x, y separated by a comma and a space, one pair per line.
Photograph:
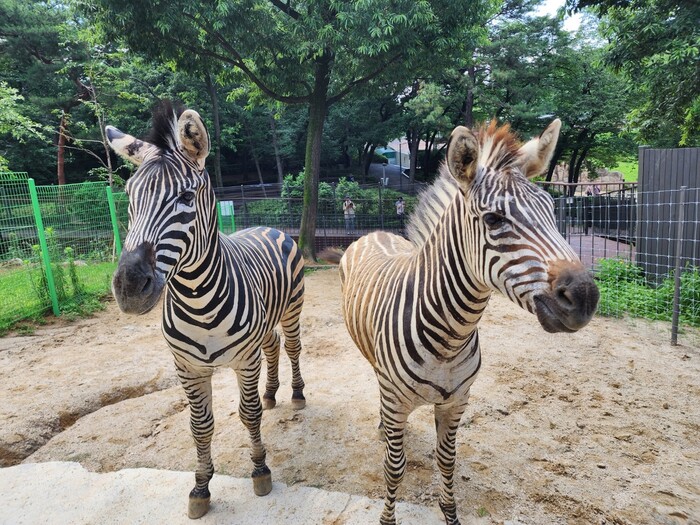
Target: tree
313, 54
13, 121
656, 45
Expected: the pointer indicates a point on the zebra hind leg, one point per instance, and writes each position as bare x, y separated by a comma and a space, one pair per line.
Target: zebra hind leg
199, 394
446, 424
250, 412
292, 345
271, 349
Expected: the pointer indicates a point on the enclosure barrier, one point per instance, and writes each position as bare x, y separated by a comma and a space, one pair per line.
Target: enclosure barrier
643, 247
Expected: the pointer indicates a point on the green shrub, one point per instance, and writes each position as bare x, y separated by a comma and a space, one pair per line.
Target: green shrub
624, 290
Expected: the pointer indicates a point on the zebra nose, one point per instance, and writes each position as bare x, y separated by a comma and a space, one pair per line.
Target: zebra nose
576, 294
136, 285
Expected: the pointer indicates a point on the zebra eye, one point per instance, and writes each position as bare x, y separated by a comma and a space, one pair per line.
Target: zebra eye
494, 220
187, 197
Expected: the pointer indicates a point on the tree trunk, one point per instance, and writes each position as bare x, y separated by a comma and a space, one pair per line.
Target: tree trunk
468, 105
428, 153
275, 147
577, 170
60, 159
572, 165
211, 87
257, 168
318, 106
367, 160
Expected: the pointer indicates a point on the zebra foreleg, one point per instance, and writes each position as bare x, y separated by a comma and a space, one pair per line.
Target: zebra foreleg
198, 390
271, 349
250, 411
447, 419
292, 345
394, 421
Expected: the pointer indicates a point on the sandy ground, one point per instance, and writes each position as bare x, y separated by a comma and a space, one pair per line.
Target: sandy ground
602, 426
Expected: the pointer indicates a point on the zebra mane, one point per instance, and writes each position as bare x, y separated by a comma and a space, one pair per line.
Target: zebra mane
163, 132
498, 149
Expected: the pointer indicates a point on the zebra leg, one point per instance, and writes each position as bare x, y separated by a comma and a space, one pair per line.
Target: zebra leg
447, 419
250, 411
271, 349
292, 345
394, 422
197, 385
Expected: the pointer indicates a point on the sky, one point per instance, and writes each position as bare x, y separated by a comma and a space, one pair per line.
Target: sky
571, 23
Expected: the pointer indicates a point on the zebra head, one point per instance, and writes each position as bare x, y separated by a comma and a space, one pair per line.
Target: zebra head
172, 219
514, 245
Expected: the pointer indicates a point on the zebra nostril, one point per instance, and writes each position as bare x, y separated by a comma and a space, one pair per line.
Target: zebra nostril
147, 285
564, 296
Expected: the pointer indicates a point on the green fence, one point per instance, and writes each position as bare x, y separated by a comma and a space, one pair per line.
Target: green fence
58, 245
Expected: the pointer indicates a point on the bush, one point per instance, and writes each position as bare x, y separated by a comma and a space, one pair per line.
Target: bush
624, 290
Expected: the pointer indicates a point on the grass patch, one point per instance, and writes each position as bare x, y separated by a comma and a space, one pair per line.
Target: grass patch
83, 288
629, 170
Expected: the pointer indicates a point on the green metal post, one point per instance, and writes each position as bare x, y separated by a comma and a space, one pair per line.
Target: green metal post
115, 225
44, 247
218, 217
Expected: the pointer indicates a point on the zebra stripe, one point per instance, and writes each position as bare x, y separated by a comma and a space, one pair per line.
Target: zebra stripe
412, 305
224, 296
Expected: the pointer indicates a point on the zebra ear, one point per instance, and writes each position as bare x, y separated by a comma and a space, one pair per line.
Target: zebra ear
127, 147
462, 155
536, 154
194, 137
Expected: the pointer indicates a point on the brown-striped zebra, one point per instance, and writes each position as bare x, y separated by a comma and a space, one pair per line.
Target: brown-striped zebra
224, 296
412, 306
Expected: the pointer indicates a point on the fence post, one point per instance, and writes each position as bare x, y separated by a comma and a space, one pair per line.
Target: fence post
219, 218
51, 284
115, 224
677, 272
381, 205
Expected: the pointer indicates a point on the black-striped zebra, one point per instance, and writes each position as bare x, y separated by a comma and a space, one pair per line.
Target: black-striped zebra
412, 306
224, 296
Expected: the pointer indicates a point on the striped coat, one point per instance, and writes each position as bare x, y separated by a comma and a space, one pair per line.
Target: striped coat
223, 296
412, 306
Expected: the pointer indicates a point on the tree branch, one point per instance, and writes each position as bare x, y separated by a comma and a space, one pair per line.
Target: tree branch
286, 8
238, 62
338, 96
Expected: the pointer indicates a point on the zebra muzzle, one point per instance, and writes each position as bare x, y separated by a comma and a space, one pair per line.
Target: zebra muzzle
571, 302
136, 284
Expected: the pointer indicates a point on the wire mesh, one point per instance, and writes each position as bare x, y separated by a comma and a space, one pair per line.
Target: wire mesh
79, 239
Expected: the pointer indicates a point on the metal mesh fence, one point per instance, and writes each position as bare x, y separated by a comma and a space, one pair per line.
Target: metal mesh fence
644, 247
57, 246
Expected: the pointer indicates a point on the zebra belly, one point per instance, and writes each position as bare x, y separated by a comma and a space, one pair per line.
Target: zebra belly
433, 381
212, 347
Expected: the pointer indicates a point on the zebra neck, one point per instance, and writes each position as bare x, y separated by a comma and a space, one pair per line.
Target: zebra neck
198, 278
453, 300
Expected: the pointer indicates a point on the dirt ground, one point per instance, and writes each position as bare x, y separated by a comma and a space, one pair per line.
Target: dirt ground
601, 426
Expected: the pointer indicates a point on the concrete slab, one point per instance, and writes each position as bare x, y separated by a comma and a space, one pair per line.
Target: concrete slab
60, 493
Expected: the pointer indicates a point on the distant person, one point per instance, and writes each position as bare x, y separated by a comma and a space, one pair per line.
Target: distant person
596, 189
589, 190
349, 212
400, 208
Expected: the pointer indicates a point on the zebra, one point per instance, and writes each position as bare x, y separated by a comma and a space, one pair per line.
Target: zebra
412, 306
224, 295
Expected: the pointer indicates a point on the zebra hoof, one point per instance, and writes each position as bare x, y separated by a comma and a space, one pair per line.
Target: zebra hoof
262, 484
298, 400
268, 403
197, 507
